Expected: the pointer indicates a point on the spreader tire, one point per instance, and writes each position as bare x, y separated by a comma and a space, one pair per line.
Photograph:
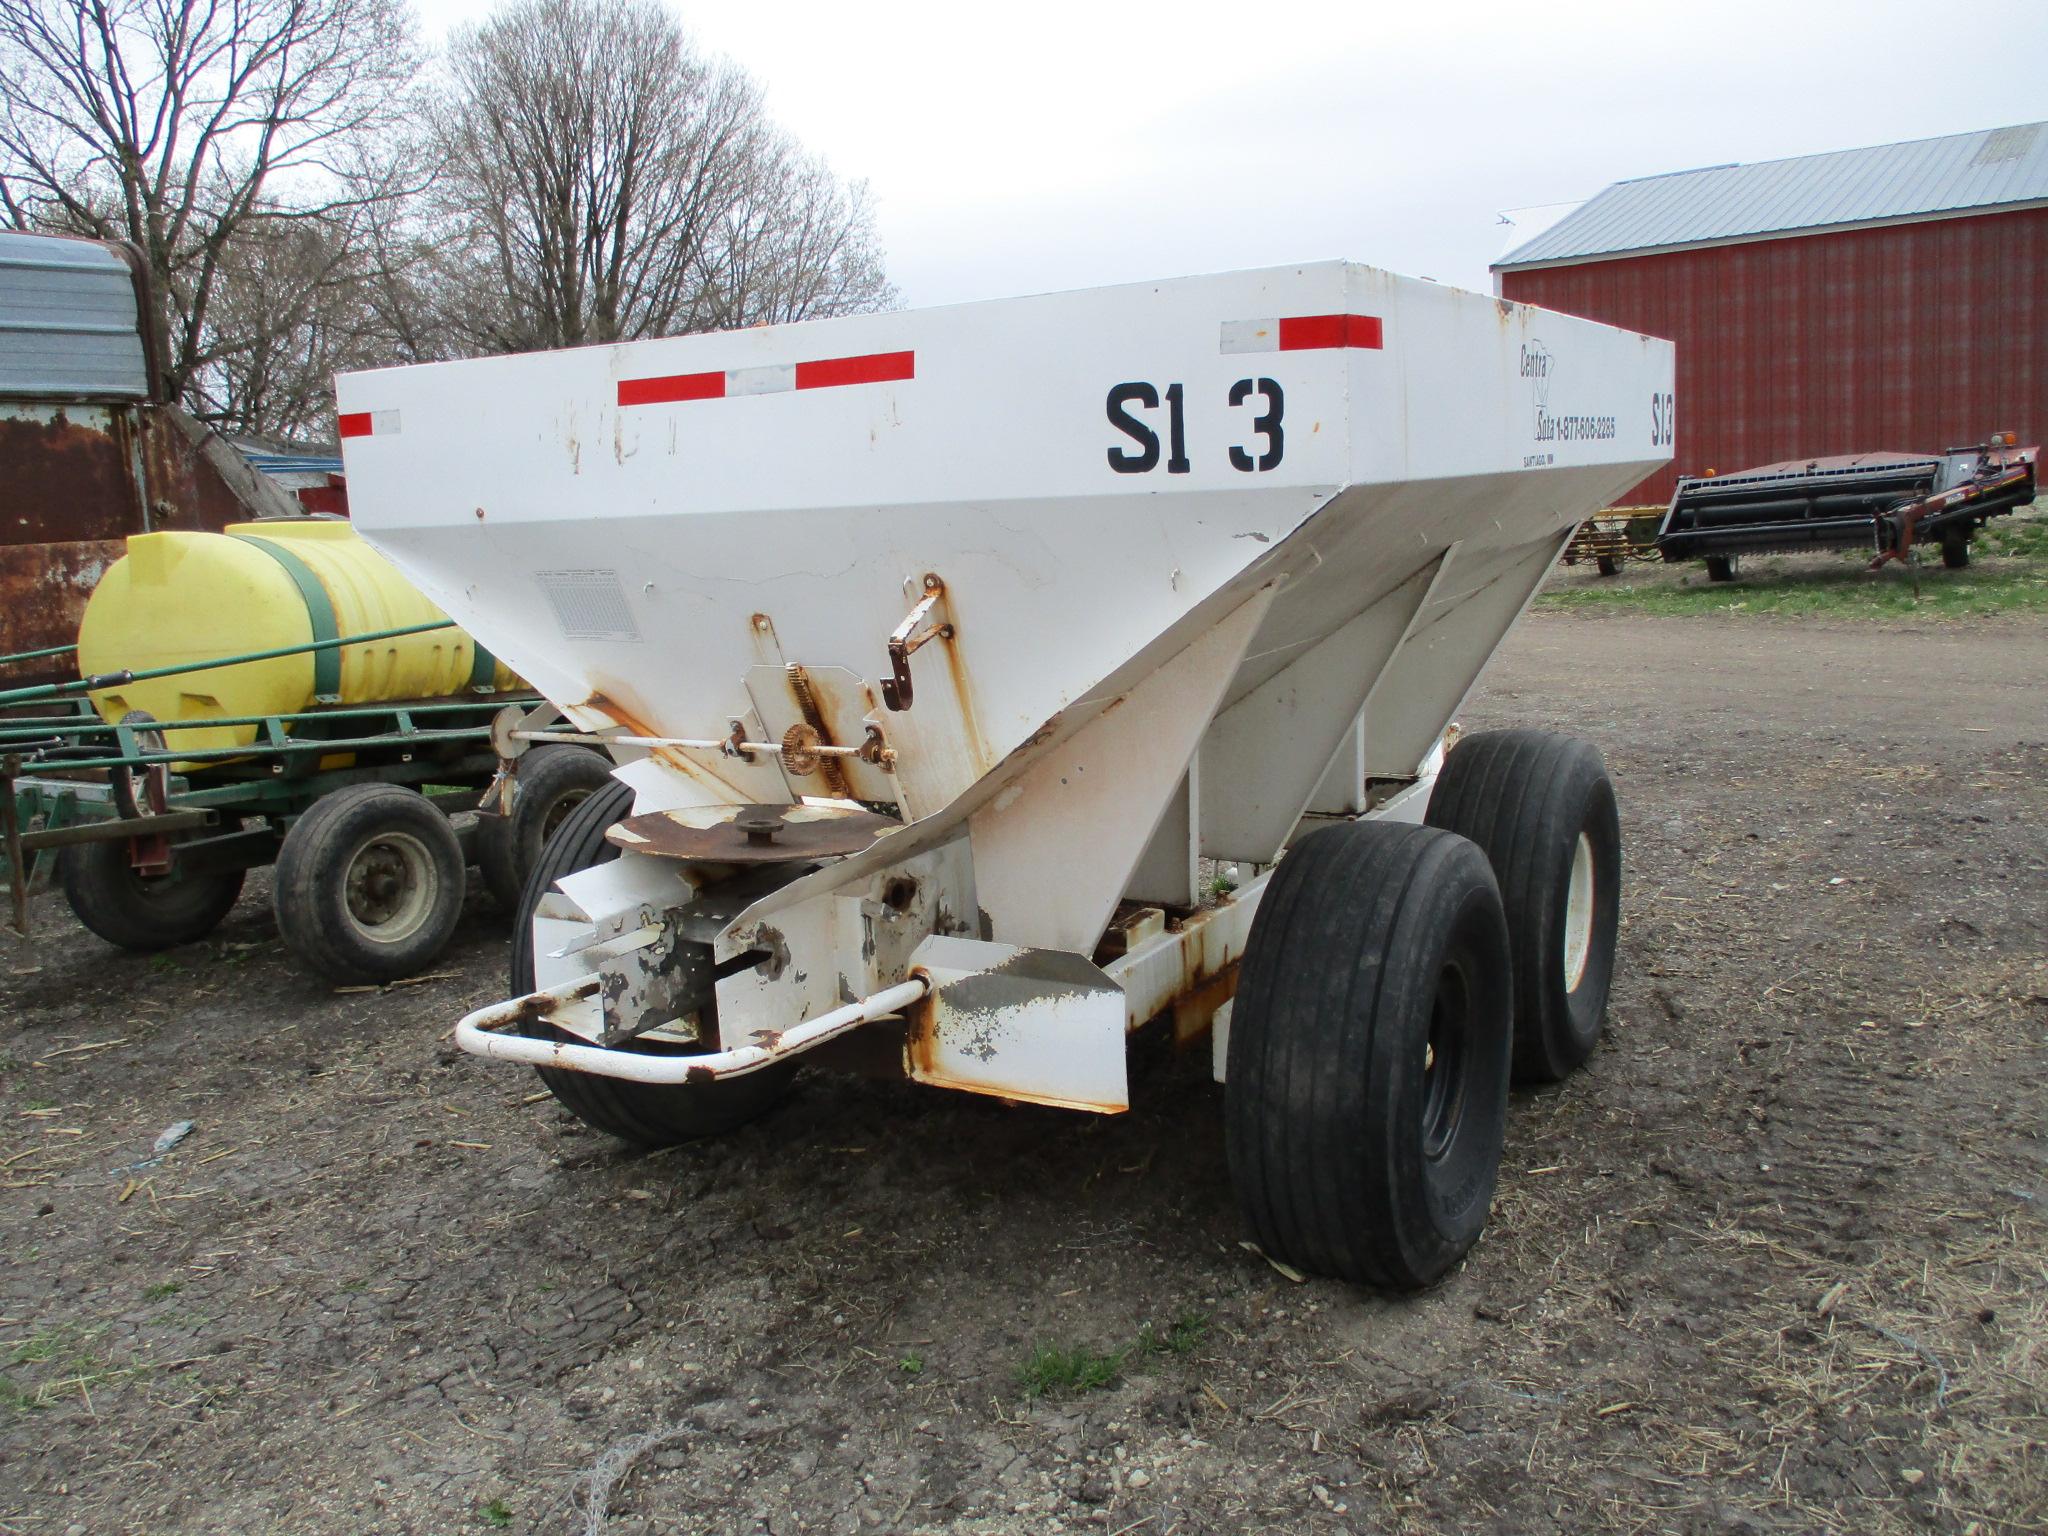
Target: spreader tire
551, 782
1367, 1076
143, 912
1720, 567
369, 883
650, 1114
1955, 548
1542, 808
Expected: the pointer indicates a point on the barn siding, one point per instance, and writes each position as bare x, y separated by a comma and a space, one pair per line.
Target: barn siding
1908, 336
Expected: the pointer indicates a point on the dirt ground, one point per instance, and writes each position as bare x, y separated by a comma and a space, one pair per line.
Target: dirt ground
1774, 1261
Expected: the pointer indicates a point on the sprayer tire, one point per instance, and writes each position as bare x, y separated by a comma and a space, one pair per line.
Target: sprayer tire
1367, 1069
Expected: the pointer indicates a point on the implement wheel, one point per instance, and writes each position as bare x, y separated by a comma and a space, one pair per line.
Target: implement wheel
1720, 567
649, 1114
369, 884
551, 782
1955, 548
1542, 808
1366, 1086
143, 912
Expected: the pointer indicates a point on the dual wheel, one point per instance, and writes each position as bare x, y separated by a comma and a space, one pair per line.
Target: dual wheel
369, 880
368, 887
1395, 979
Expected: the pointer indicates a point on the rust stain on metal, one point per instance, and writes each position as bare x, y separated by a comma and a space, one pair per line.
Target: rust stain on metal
800, 745
43, 591
754, 834
700, 1076
767, 645
1194, 1010
963, 690
70, 476
777, 946
703, 772
79, 480
185, 488
538, 1008
921, 1031
812, 709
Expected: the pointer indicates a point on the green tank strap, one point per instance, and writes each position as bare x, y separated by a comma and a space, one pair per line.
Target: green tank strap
319, 609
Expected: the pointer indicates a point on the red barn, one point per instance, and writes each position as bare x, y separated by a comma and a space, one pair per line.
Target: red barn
1886, 298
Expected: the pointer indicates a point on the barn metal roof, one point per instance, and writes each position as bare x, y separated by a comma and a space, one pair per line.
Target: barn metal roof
68, 322
1962, 172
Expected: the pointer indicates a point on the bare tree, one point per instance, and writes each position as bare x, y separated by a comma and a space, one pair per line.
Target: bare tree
184, 125
798, 244
301, 299
602, 180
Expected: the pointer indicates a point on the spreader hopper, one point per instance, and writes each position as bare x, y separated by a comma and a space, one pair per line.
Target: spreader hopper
945, 654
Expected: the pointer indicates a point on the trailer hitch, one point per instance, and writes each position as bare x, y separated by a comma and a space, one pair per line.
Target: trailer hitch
906, 642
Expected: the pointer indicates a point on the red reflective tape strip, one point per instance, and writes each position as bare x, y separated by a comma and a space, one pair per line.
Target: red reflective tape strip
876, 368
353, 424
1313, 333
673, 386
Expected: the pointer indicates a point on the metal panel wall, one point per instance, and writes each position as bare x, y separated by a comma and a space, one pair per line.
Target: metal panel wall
68, 323
1913, 337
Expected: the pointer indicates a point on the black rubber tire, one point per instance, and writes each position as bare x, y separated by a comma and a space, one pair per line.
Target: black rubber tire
354, 850
1720, 567
1955, 548
551, 781
144, 912
1347, 1158
1608, 565
1526, 798
646, 1114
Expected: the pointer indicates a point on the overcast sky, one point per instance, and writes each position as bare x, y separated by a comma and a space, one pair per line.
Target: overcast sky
1026, 147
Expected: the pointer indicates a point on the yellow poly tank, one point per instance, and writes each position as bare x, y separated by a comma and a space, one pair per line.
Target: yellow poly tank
184, 597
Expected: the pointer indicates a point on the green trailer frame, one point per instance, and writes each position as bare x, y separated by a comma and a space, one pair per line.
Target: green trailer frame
68, 778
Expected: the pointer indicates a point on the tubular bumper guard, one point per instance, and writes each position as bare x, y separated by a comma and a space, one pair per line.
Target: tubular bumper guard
489, 1032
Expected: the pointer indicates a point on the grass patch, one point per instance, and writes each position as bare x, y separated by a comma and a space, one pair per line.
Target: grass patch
1182, 1337
2024, 536
497, 1512
62, 1357
911, 1365
1053, 1371
162, 1289
1993, 583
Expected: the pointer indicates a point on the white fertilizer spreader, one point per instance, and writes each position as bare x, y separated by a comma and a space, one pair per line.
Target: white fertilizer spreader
941, 652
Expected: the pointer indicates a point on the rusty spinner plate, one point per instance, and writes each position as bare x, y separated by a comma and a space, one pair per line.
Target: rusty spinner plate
752, 834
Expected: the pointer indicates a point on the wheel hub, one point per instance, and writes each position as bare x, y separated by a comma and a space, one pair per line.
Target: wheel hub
1578, 914
1443, 1062
391, 886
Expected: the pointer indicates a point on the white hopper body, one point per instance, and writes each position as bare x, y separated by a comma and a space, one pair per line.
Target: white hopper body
1211, 554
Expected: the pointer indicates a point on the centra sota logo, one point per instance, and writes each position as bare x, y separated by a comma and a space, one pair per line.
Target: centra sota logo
1539, 365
